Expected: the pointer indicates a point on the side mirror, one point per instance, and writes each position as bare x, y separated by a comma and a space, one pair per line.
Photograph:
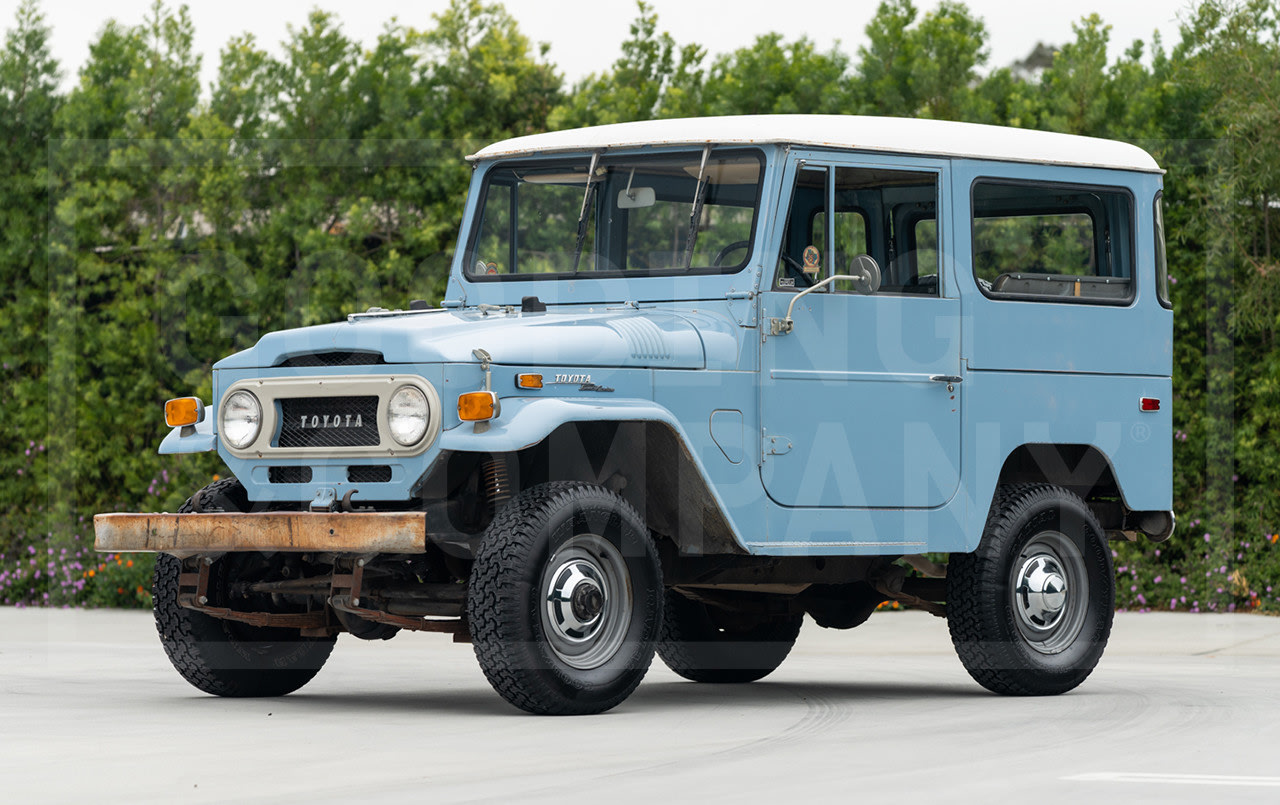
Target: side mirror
866, 274
635, 198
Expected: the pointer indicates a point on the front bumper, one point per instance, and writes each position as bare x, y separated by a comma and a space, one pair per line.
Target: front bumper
190, 534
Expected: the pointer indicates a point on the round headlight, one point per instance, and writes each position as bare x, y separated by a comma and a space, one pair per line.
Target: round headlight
407, 415
241, 419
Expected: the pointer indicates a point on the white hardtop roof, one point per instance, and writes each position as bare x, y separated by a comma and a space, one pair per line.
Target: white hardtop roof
885, 134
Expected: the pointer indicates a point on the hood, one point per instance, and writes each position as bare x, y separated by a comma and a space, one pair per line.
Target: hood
612, 338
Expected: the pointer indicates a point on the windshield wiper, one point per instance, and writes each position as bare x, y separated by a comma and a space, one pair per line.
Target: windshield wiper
582, 216
699, 195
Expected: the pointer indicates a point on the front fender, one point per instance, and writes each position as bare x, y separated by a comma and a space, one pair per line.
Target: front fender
524, 422
197, 438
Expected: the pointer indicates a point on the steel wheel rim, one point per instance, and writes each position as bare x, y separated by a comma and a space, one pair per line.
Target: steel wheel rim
587, 601
1049, 588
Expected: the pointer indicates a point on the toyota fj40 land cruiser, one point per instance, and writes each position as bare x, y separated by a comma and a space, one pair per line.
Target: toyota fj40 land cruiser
691, 381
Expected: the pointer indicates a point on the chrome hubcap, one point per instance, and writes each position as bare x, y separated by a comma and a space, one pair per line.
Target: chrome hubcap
1049, 586
587, 595
576, 601
1042, 591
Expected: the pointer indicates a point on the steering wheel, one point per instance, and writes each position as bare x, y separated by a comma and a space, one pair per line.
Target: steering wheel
727, 250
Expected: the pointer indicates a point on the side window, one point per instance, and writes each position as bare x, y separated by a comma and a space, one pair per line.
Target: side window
839, 213
1162, 260
1053, 242
850, 233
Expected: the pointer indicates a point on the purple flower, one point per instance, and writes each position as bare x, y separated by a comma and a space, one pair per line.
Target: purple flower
1141, 599
1173, 603
1157, 579
1206, 537
1183, 580
1133, 588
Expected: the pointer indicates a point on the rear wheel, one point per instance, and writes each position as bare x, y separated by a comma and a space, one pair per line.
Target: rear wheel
564, 600
223, 657
707, 644
1030, 610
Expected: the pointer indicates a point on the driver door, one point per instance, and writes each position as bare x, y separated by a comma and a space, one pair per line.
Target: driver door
860, 401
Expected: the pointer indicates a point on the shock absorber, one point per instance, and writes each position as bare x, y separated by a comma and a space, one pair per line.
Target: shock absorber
497, 482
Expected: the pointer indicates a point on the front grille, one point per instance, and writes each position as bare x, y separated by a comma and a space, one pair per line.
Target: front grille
328, 422
375, 474
335, 358
289, 475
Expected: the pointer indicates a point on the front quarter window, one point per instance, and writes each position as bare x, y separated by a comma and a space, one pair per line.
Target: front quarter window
665, 214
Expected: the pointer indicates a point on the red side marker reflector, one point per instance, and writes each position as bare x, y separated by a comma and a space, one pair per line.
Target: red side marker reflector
1149, 404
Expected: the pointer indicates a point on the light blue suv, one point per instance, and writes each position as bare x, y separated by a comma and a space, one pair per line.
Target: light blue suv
691, 381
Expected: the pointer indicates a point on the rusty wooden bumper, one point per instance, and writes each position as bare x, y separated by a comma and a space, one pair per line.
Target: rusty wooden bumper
372, 532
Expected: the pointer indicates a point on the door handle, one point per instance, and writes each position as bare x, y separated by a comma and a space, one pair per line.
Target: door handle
948, 379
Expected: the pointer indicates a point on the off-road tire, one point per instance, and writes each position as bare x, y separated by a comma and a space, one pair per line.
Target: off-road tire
990, 635
512, 631
222, 657
696, 648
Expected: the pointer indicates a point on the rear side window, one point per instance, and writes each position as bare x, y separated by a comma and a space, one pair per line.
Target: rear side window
1053, 242
1162, 260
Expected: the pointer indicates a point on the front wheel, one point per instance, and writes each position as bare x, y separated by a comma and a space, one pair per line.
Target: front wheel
1030, 610
223, 657
565, 600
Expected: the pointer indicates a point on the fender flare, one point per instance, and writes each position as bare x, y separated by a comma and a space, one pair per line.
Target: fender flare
524, 422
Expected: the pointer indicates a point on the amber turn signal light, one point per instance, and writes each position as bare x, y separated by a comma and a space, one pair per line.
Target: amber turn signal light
477, 406
183, 411
529, 381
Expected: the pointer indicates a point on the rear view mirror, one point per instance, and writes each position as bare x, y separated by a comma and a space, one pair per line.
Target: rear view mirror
866, 273
636, 197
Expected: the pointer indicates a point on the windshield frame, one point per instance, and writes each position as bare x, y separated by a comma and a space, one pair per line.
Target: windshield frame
579, 160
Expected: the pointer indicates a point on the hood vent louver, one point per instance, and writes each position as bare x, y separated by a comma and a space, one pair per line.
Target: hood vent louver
334, 358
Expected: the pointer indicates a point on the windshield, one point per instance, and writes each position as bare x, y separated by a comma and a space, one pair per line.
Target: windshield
637, 215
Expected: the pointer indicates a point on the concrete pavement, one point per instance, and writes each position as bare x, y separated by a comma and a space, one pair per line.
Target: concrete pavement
1183, 708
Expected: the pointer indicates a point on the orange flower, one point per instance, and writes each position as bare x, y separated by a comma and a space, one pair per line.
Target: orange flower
92, 573
119, 591
129, 563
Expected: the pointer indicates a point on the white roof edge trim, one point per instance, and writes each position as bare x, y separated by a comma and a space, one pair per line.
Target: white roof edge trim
938, 138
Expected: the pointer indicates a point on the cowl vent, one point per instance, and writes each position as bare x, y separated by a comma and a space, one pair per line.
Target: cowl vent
336, 358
